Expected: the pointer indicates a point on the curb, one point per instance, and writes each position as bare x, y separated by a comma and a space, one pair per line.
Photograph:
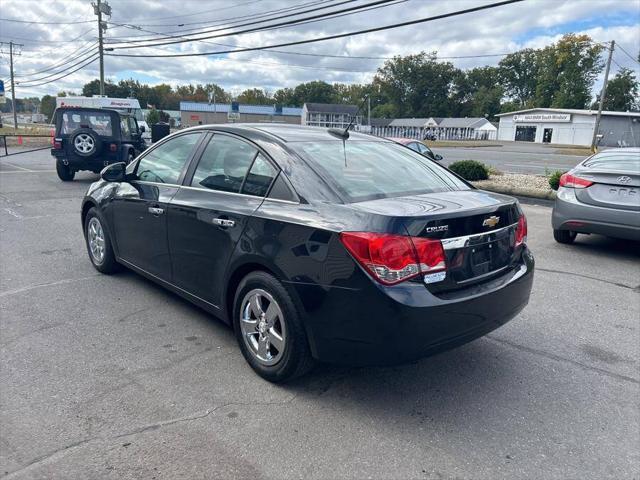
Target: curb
520, 192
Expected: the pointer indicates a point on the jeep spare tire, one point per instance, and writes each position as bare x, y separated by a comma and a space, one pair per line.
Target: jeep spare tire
85, 142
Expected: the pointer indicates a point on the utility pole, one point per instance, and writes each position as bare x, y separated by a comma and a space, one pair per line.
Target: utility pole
99, 8
603, 92
13, 86
369, 110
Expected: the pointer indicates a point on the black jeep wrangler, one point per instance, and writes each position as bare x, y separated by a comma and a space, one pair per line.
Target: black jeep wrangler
92, 138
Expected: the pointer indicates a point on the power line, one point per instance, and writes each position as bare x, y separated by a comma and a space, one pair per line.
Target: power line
627, 54
63, 76
69, 58
332, 37
30, 40
43, 23
57, 73
220, 21
206, 11
184, 39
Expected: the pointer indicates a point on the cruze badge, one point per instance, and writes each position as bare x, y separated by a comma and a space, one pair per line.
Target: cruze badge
491, 221
624, 179
439, 228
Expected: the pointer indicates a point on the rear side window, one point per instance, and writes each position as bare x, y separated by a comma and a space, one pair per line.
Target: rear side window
164, 163
260, 177
224, 164
365, 170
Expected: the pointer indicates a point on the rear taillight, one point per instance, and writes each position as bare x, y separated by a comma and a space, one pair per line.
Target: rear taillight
571, 181
392, 259
113, 147
57, 144
521, 231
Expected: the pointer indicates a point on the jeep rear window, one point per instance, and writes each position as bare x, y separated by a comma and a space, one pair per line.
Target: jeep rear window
96, 121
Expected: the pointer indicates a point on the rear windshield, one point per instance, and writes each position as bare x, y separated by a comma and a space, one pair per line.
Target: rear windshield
615, 161
363, 170
96, 121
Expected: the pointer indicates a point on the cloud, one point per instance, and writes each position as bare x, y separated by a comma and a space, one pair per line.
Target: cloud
532, 23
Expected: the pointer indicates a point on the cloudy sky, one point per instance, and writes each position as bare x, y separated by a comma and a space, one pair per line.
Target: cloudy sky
60, 33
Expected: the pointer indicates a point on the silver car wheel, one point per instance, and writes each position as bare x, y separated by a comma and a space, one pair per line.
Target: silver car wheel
95, 237
84, 143
263, 328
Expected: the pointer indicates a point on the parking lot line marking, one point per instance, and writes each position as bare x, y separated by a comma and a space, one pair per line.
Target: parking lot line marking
558, 358
24, 170
17, 166
7, 293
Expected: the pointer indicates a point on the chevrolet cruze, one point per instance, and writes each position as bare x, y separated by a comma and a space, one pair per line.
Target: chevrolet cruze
314, 244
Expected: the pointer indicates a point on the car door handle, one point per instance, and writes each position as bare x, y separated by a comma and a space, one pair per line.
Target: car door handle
156, 211
223, 222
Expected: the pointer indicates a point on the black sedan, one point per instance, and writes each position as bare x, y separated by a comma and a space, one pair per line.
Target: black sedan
314, 246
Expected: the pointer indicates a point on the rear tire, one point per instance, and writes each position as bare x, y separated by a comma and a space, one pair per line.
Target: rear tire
99, 244
564, 236
65, 173
274, 364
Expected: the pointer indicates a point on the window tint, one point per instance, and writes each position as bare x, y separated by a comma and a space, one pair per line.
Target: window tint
281, 190
363, 170
224, 164
164, 163
260, 177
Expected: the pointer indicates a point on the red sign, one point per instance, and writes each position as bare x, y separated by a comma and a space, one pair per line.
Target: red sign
195, 117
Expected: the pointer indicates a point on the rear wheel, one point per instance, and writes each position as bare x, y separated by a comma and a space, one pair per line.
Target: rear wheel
564, 236
269, 329
65, 173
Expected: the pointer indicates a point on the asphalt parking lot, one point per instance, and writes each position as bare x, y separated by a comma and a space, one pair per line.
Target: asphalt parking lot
114, 377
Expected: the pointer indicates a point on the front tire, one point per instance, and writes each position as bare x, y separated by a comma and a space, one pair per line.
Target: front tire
269, 329
99, 244
65, 173
564, 236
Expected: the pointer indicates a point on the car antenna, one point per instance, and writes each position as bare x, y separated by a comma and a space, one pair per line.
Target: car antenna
344, 134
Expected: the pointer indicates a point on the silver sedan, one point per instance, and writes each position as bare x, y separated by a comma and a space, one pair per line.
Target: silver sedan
600, 195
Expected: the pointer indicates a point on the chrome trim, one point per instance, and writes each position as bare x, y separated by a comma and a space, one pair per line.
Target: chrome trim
223, 222
211, 190
461, 242
155, 210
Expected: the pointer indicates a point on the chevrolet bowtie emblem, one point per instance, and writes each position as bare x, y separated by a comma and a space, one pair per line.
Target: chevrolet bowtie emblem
491, 221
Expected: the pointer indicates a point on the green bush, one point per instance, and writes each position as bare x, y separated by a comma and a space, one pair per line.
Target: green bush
554, 179
470, 170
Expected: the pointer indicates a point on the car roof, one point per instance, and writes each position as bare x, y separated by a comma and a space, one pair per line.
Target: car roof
91, 109
288, 133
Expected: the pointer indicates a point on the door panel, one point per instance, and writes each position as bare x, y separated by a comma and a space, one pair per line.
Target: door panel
140, 221
201, 238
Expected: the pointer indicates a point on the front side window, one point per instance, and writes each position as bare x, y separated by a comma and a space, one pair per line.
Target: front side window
164, 163
224, 164
124, 128
365, 170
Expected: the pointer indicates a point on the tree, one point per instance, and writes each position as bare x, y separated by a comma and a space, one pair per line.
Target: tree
315, 91
417, 85
48, 106
518, 73
153, 116
622, 93
255, 96
566, 72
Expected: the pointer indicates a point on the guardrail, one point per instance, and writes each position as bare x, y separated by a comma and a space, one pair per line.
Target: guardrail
3, 144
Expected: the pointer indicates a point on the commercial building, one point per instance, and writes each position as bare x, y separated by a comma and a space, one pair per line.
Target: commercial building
196, 113
570, 127
329, 115
461, 128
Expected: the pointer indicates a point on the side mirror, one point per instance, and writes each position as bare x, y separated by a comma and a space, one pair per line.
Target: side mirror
437, 157
116, 172
142, 129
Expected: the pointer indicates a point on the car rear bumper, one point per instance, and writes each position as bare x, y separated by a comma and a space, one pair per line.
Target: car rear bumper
570, 214
390, 325
94, 164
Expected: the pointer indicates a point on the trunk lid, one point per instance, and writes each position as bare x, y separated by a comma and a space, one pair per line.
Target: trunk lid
611, 188
477, 230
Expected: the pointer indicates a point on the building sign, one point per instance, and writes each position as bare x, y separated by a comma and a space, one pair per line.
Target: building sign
542, 117
194, 117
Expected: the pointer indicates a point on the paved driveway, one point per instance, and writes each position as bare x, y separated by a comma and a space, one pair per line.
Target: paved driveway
114, 377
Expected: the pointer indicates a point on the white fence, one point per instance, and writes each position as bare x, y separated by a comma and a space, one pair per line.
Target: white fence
421, 133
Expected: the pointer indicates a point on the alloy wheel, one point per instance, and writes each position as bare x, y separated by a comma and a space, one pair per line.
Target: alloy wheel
84, 143
263, 328
95, 237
